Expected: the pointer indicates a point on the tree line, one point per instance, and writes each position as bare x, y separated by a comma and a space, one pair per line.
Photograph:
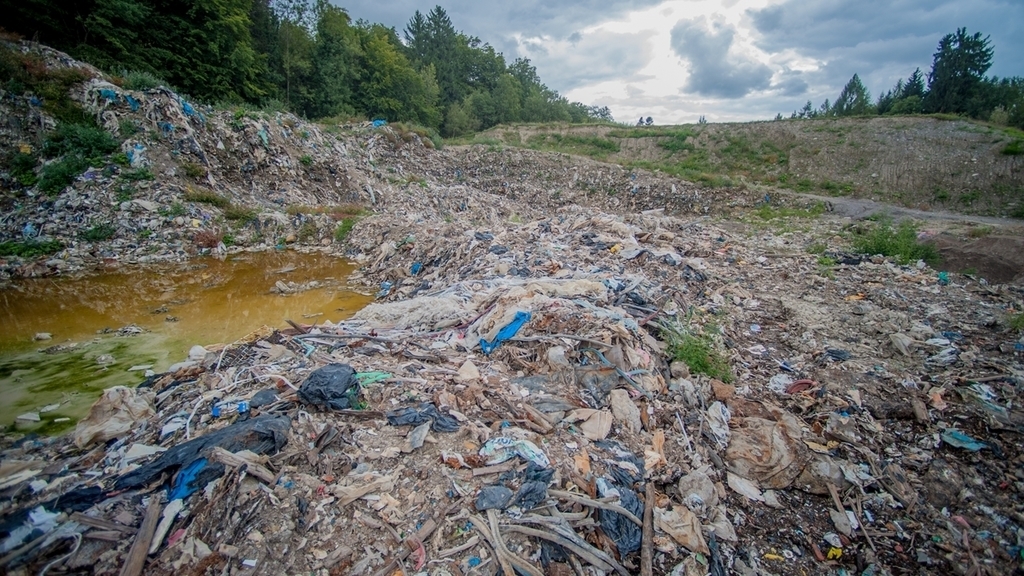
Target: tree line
305, 56
956, 84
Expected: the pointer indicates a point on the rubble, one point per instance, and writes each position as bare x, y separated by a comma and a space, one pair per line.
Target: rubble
516, 399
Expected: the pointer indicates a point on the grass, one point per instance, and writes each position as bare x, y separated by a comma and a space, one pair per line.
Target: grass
1015, 148
336, 211
141, 80
980, 231
99, 233
768, 212
344, 227
193, 170
306, 160
23, 168
239, 214
138, 175
59, 175
593, 146
87, 141
698, 351
204, 196
899, 242
1016, 322
30, 248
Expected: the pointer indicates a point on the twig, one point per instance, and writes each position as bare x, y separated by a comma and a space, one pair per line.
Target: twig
647, 543
461, 548
596, 504
136, 559
561, 533
481, 527
522, 565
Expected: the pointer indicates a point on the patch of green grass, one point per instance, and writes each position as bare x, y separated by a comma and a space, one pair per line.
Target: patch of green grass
306, 160
835, 188
229, 239
1016, 321
175, 210
768, 212
593, 146
344, 227
87, 141
138, 175
899, 242
126, 127
58, 175
697, 350
980, 231
143, 234
193, 170
30, 248
817, 248
99, 232
204, 196
23, 168
141, 80
1015, 148
125, 192
239, 214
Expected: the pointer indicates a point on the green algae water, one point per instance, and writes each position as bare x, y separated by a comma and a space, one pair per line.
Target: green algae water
202, 301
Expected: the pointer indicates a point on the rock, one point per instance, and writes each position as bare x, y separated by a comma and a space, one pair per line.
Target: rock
41, 336
679, 369
624, 410
721, 390
197, 353
104, 359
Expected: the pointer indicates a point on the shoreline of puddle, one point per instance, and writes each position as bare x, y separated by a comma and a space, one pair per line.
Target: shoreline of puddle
201, 301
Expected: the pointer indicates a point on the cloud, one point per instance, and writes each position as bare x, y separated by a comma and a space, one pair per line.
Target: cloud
790, 83
713, 71
588, 57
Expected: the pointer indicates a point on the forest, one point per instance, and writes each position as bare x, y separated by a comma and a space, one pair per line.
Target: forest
956, 84
305, 57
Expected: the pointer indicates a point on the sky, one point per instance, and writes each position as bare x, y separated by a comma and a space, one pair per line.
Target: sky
726, 60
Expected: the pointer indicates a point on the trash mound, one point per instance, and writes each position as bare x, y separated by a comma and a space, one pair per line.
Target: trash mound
530, 394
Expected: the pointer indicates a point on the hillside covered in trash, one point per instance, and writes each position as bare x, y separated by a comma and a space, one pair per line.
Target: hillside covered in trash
570, 367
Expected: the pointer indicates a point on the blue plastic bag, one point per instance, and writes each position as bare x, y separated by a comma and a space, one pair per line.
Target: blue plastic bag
505, 333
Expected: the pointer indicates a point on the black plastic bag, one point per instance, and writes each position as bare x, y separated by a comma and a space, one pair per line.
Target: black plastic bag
333, 386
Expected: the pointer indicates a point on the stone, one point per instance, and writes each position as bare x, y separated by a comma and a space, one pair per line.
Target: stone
40, 336
197, 353
468, 372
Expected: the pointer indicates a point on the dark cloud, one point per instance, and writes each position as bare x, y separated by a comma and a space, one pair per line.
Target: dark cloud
790, 83
822, 29
713, 72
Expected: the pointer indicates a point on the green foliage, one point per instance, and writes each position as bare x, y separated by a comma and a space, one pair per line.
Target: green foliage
138, 175
958, 71
193, 170
343, 229
900, 243
239, 214
22, 168
58, 175
697, 350
30, 248
176, 209
204, 196
1016, 322
1015, 148
593, 146
768, 212
98, 233
84, 140
854, 100
306, 160
141, 80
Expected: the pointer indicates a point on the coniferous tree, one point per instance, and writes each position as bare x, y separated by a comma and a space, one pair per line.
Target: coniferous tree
958, 71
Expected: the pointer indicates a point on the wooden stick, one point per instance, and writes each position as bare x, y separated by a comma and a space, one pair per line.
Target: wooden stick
218, 454
136, 559
647, 544
579, 499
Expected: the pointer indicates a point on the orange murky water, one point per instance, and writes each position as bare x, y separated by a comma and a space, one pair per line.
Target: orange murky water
209, 300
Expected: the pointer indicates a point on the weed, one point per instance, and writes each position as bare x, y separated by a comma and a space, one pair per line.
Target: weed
99, 232
146, 233
344, 227
306, 232
816, 248
193, 170
899, 243
1018, 212
1015, 148
30, 248
22, 167
140, 80
1016, 321
239, 214
58, 175
768, 212
79, 140
175, 210
121, 159
697, 351
826, 261
593, 146
336, 211
204, 196
229, 240
206, 238
980, 231
126, 127
125, 192
138, 175
306, 160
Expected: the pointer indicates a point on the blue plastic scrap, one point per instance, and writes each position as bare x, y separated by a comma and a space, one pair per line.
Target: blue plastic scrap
416, 267
132, 102
182, 485
379, 123
958, 439
109, 95
505, 333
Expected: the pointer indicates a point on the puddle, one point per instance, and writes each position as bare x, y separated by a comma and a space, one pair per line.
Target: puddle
199, 302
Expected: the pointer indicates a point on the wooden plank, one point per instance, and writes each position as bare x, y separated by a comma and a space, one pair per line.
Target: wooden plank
136, 559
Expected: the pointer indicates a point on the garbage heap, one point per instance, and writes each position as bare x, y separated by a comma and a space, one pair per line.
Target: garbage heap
531, 394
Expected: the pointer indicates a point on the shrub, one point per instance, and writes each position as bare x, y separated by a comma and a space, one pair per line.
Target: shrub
23, 168
697, 350
137, 175
83, 140
1016, 321
141, 80
99, 232
899, 243
239, 214
1015, 148
344, 227
306, 160
193, 170
57, 176
30, 248
203, 196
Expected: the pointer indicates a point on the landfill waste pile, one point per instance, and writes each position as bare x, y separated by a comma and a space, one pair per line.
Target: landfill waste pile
551, 387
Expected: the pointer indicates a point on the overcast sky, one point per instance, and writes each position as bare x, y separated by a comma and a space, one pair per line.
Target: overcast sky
729, 60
